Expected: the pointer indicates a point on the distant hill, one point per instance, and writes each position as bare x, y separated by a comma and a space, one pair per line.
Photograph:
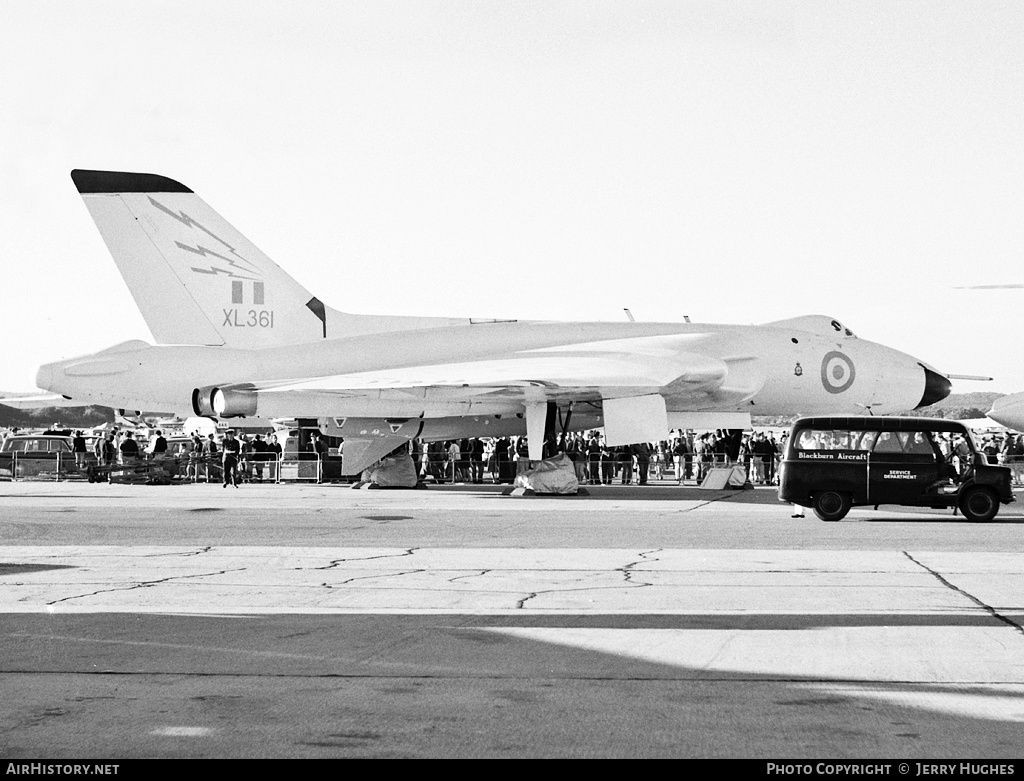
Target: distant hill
956, 406
46, 417
959, 406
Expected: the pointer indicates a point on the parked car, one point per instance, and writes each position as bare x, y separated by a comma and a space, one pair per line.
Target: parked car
39, 455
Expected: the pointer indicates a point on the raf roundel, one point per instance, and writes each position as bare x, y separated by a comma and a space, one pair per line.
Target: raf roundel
837, 372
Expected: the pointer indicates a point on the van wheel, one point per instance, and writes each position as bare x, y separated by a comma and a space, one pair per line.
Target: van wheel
831, 505
978, 504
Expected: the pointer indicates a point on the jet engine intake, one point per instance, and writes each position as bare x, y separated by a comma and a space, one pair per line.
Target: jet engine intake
202, 402
233, 403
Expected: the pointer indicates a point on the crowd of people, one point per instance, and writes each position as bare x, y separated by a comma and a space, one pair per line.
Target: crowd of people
229, 459
684, 457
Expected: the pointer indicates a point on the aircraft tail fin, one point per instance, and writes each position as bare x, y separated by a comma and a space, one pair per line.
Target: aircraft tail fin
195, 278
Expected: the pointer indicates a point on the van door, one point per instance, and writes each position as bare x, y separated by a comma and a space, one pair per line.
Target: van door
826, 459
902, 466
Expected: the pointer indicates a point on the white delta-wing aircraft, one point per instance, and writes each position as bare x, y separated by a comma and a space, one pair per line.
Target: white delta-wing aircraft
237, 337
1008, 411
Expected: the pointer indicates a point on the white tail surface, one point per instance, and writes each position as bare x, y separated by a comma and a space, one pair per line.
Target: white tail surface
197, 280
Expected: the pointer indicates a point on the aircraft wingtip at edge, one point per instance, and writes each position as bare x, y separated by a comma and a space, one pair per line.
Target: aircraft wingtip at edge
95, 182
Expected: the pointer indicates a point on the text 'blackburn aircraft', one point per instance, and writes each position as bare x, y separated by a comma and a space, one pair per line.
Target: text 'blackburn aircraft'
237, 337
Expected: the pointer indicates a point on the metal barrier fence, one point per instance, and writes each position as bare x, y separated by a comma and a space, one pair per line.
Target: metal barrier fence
58, 466
55, 467
438, 468
308, 467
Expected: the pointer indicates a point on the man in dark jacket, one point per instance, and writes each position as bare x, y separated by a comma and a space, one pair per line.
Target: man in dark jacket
78, 447
642, 451
129, 449
231, 449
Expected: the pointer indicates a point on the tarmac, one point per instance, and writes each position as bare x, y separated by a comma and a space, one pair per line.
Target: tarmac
280, 621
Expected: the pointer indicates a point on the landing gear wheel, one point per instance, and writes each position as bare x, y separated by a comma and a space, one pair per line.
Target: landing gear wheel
831, 505
978, 504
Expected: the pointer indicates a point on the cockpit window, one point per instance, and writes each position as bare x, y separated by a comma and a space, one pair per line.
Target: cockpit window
842, 329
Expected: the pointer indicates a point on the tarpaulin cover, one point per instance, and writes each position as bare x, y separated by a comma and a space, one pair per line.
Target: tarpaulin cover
393, 472
555, 475
727, 477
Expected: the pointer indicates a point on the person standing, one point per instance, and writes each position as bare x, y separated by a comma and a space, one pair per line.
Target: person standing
1016, 457
195, 457
98, 448
109, 451
476, 460
78, 448
211, 454
594, 460
453, 454
701, 456
522, 455
259, 456
231, 450
320, 447
129, 449
626, 464
158, 448
771, 453
682, 454
463, 462
642, 451
501, 458
244, 458
274, 456
607, 463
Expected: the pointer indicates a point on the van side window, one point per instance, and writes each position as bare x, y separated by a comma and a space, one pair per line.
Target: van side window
867, 440
807, 440
888, 442
917, 444
914, 445
832, 439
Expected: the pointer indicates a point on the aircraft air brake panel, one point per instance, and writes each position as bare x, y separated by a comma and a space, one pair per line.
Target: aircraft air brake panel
373, 428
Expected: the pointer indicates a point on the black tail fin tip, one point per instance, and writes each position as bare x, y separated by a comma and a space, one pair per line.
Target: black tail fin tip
124, 182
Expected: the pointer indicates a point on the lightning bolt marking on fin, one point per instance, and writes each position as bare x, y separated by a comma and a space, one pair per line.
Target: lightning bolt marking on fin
189, 222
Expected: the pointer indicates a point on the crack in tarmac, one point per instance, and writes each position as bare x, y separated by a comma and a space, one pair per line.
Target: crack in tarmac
479, 574
145, 584
374, 577
337, 562
987, 608
626, 570
199, 552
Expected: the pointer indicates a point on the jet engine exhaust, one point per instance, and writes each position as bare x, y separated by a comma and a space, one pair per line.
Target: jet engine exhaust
228, 403
202, 402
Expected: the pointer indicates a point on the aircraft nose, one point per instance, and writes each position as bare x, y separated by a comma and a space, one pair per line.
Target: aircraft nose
936, 388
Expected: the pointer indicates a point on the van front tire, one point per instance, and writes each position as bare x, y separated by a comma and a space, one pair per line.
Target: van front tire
978, 504
831, 505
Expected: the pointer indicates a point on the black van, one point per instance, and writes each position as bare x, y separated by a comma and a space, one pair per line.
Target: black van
833, 464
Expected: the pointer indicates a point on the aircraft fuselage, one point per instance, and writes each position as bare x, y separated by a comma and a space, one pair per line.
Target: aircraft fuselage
771, 370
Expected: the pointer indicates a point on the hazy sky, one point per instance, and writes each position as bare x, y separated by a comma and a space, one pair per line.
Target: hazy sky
730, 161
